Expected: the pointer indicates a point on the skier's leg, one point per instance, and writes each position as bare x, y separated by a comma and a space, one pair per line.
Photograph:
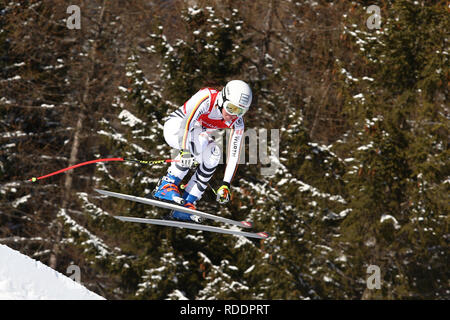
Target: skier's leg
209, 160
167, 188
172, 130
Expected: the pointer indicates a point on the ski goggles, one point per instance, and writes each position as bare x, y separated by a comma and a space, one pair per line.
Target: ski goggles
234, 109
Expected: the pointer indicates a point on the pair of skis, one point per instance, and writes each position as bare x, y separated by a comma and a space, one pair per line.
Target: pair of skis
187, 225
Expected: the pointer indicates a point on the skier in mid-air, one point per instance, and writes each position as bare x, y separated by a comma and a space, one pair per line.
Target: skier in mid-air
187, 129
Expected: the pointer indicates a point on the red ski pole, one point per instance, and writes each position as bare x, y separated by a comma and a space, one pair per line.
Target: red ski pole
34, 179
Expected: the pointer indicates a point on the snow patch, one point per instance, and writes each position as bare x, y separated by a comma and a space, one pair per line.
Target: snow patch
386, 217
250, 269
23, 278
176, 295
128, 119
315, 192
21, 200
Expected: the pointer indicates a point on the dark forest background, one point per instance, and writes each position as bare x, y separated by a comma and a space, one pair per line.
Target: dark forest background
362, 176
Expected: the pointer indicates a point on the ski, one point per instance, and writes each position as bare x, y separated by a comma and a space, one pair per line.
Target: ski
187, 225
243, 224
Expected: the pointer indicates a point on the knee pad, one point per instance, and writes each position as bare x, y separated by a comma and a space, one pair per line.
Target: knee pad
211, 155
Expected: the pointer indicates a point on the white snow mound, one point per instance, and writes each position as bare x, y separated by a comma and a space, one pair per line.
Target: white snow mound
23, 278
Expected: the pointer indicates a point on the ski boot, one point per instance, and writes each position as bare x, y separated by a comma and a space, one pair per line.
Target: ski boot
183, 216
167, 190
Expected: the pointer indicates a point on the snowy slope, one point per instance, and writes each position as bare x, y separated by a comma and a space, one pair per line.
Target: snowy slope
24, 278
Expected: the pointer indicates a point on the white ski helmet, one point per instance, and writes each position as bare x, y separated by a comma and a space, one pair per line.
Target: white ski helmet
235, 97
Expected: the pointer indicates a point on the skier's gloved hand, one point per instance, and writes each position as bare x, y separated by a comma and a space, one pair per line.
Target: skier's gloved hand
224, 193
187, 160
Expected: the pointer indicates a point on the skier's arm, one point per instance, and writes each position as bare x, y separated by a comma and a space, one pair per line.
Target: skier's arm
234, 150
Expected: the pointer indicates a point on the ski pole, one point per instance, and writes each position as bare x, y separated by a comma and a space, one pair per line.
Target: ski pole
34, 179
182, 186
215, 192
152, 161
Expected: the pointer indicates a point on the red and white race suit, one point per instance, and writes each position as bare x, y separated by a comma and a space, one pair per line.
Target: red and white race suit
189, 128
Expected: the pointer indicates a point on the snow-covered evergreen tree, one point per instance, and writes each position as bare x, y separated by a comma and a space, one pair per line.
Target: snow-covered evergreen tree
397, 147
361, 177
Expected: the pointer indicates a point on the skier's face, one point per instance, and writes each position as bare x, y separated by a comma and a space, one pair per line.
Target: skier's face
226, 116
